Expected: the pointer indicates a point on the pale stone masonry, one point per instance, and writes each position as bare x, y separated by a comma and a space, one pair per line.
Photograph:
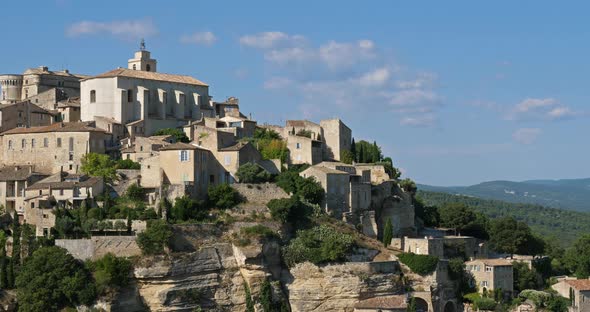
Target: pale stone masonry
139, 148
13, 182
23, 114
143, 99
492, 274
53, 148
577, 290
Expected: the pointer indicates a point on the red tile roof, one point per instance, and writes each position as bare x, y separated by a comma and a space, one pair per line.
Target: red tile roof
385, 302
56, 127
581, 284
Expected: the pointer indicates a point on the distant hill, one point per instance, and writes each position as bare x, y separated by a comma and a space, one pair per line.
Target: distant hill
564, 225
570, 194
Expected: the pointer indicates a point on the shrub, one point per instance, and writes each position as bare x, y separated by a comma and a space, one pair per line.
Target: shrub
289, 210
421, 264
318, 245
177, 133
223, 196
135, 192
128, 164
257, 231
307, 188
185, 208
485, 304
110, 272
388, 233
153, 240
252, 173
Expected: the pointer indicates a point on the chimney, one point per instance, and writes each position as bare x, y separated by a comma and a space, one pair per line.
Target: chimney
66, 71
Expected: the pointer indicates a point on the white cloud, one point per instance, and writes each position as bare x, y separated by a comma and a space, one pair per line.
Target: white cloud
126, 29
377, 77
428, 120
526, 135
199, 38
270, 39
540, 109
337, 76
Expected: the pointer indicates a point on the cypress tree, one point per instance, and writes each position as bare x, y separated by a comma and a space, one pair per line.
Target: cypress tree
10, 276
388, 233
3, 270
361, 154
353, 150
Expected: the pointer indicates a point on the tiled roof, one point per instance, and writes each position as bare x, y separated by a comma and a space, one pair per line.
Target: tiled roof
236, 147
581, 284
493, 262
384, 302
85, 182
56, 127
70, 102
32, 107
179, 146
326, 170
140, 74
107, 119
40, 71
17, 173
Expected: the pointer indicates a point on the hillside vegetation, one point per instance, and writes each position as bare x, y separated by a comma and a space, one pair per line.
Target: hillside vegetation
564, 225
572, 194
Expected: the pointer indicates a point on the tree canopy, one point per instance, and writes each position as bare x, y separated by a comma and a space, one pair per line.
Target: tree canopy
511, 236
99, 165
52, 279
456, 216
252, 173
177, 133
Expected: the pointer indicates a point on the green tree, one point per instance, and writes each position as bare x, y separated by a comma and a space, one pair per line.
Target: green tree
456, 216
135, 192
290, 211
252, 173
525, 278
223, 196
110, 272
511, 236
186, 208
387, 233
178, 134
346, 157
127, 164
409, 186
155, 238
353, 150
310, 190
577, 258
99, 165
51, 279
318, 245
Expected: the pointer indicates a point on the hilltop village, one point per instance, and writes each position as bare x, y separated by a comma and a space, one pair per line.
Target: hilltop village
217, 211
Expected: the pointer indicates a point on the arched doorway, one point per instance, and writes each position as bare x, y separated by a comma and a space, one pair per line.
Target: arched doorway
449, 307
421, 305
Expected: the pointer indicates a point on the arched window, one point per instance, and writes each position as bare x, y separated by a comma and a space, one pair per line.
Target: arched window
23, 143
134, 67
148, 67
9, 144
92, 96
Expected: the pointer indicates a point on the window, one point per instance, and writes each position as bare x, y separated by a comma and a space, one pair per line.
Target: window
92, 96
20, 114
227, 159
148, 67
298, 145
23, 143
61, 192
71, 156
32, 143
45, 142
129, 95
484, 283
71, 145
134, 67
141, 148
212, 178
9, 144
32, 204
488, 268
184, 156
58, 143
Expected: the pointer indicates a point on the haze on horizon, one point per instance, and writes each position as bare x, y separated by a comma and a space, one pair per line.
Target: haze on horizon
456, 93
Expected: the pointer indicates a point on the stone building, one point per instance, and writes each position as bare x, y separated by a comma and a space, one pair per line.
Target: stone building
53, 148
492, 274
139, 148
336, 184
142, 98
337, 138
393, 303
577, 290
303, 150
183, 165
23, 114
40, 85
13, 182
69, 110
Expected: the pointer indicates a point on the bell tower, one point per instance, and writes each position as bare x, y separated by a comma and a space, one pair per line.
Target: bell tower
142, 60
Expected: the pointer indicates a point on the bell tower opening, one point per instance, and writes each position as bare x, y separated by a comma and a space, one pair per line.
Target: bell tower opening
142, 60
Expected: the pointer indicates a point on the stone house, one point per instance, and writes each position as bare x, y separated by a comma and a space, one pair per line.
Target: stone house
53, 148
240, 127
299, 127
304, 150
336, 184
337, 138
13, 182
144, 99
64, 189
229, 160
378, 173
139, 148
69, 110
577, 290
394, 303
446, 247
492, 274
23, 114
117, 130
230, 107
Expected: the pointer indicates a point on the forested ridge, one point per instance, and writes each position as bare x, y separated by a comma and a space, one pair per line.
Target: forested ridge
564, 225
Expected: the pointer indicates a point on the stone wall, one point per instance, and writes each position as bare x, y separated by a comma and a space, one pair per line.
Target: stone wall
98, 246
260, 193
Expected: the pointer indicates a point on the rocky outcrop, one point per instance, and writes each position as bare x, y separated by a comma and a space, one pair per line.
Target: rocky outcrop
339, 287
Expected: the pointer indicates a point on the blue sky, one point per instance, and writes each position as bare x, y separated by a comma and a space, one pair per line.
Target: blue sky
455, 92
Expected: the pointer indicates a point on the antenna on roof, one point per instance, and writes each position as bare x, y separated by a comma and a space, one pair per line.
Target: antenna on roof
142, 45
